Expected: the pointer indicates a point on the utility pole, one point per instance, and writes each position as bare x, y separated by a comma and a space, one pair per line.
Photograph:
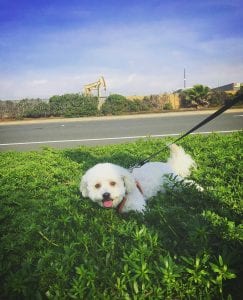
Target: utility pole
184, 78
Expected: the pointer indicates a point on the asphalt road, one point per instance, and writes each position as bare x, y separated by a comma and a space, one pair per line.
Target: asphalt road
93, 131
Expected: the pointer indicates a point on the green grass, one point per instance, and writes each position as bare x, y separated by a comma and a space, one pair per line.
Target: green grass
57, 245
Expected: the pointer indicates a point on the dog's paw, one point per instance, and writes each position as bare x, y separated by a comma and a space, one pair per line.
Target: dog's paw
193, 183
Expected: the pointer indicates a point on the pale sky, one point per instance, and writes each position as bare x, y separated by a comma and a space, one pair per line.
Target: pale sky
140, 47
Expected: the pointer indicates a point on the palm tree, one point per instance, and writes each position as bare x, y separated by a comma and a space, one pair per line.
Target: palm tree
197, 95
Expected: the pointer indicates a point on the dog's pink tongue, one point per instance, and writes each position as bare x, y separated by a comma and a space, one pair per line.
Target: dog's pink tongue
107, 203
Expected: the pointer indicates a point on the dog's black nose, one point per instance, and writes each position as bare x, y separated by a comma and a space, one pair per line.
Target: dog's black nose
106, 195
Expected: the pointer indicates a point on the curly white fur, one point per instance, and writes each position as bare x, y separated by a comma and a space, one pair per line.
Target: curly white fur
108, 184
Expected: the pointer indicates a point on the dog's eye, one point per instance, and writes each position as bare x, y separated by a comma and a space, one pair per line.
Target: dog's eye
112, 183
98, 185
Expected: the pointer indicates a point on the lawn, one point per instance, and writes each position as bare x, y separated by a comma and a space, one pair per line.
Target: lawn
57, 245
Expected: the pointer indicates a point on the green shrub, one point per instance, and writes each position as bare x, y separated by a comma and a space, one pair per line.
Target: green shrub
57, 106
56, 245
168, 106
217, 98
73, 105
115, 104
41, 109
25, 108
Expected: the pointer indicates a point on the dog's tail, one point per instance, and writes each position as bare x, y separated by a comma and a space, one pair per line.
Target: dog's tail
181, 162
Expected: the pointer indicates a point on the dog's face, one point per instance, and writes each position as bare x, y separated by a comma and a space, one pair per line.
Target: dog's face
106, 184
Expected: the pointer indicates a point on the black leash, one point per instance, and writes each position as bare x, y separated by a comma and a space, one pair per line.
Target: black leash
237, 98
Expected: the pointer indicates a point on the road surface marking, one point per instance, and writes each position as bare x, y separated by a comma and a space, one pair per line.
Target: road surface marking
114, 138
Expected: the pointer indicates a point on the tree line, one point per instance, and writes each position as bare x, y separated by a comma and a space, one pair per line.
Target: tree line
79, 105
68, 105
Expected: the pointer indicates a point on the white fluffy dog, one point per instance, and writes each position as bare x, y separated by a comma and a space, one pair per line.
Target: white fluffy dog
112, 186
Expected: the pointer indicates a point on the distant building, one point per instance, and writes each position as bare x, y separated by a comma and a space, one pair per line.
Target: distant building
230, 88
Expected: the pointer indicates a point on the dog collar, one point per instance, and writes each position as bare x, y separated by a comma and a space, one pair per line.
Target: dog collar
124, 200
121, 205
139, 187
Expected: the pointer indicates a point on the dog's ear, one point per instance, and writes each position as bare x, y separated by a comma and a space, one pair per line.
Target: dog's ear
129, 181
84, 186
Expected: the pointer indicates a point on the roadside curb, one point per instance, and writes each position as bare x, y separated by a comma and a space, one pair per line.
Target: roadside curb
120, 117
